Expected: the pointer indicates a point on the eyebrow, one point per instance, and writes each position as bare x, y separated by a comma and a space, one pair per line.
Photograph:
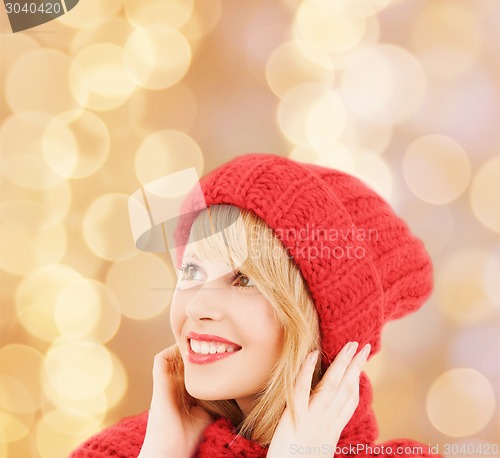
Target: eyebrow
193, 255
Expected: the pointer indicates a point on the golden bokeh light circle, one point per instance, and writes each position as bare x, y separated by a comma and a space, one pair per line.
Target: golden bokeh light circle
361, 7
143, 285
485, 194
38, 81
116, 30
18, 213
117, 387
76, 145
14, 396
144, 13
73, 422
95, 406
23, 363
205, 17
328, 27
106, 227
457, 394
447, 38
371, 37
14, 49
98, 79
24, 251
373, 171
87, 307
144, 56
36, 296
14, 427
17, 409
25, 209
312, 115
374, 82
22, 160
166, 152
436, 169
77, 308
150, 111
461, 288
50, 442
77, 367
297, 62
90, 14
367, 135
326, 120
337, 157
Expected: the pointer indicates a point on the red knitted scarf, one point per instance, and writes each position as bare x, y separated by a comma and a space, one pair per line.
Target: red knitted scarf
220, 439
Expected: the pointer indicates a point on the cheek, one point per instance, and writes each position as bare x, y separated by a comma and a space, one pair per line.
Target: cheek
260, 328
177, 316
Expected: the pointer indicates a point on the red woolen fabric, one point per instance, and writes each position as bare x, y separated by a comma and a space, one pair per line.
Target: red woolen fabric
386, 276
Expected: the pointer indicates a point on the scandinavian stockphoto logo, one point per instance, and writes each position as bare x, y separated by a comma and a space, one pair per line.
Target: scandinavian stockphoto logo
28, 14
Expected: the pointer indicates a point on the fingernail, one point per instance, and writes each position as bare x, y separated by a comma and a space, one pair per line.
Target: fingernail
365, 352
313, 356
351, 348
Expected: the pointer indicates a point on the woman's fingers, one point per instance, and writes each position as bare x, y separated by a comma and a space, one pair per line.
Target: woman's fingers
335, 372
339, 385
163, 368
351, 375
347, 395
302, 388
342, 377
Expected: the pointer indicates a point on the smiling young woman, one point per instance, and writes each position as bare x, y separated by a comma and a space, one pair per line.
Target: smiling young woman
269, 310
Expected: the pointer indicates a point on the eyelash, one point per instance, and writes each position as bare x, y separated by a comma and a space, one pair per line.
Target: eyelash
235, 276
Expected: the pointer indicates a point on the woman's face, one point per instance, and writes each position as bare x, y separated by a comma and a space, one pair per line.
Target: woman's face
212, 301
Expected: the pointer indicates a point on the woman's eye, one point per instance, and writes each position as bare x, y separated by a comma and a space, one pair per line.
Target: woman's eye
189, 271
240, 280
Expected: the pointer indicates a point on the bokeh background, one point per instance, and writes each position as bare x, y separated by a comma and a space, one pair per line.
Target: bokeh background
404, 94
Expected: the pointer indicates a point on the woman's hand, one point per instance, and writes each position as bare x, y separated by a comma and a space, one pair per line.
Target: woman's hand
170, 432
322, 416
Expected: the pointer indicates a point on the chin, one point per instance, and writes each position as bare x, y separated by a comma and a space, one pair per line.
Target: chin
204, 393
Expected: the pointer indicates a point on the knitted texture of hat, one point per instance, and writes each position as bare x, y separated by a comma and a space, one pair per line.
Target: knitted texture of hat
359, 260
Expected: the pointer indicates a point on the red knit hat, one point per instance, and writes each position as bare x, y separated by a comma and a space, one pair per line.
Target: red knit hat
360, 261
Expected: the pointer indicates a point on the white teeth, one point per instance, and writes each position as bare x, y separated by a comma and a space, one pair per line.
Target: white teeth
206, 348
195, 346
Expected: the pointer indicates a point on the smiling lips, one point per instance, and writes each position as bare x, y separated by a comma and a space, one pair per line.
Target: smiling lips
204, 348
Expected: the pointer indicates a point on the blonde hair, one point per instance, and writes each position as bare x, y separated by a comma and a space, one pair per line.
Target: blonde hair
264, 259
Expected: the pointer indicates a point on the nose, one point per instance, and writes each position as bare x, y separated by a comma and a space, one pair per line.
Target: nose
207, 303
